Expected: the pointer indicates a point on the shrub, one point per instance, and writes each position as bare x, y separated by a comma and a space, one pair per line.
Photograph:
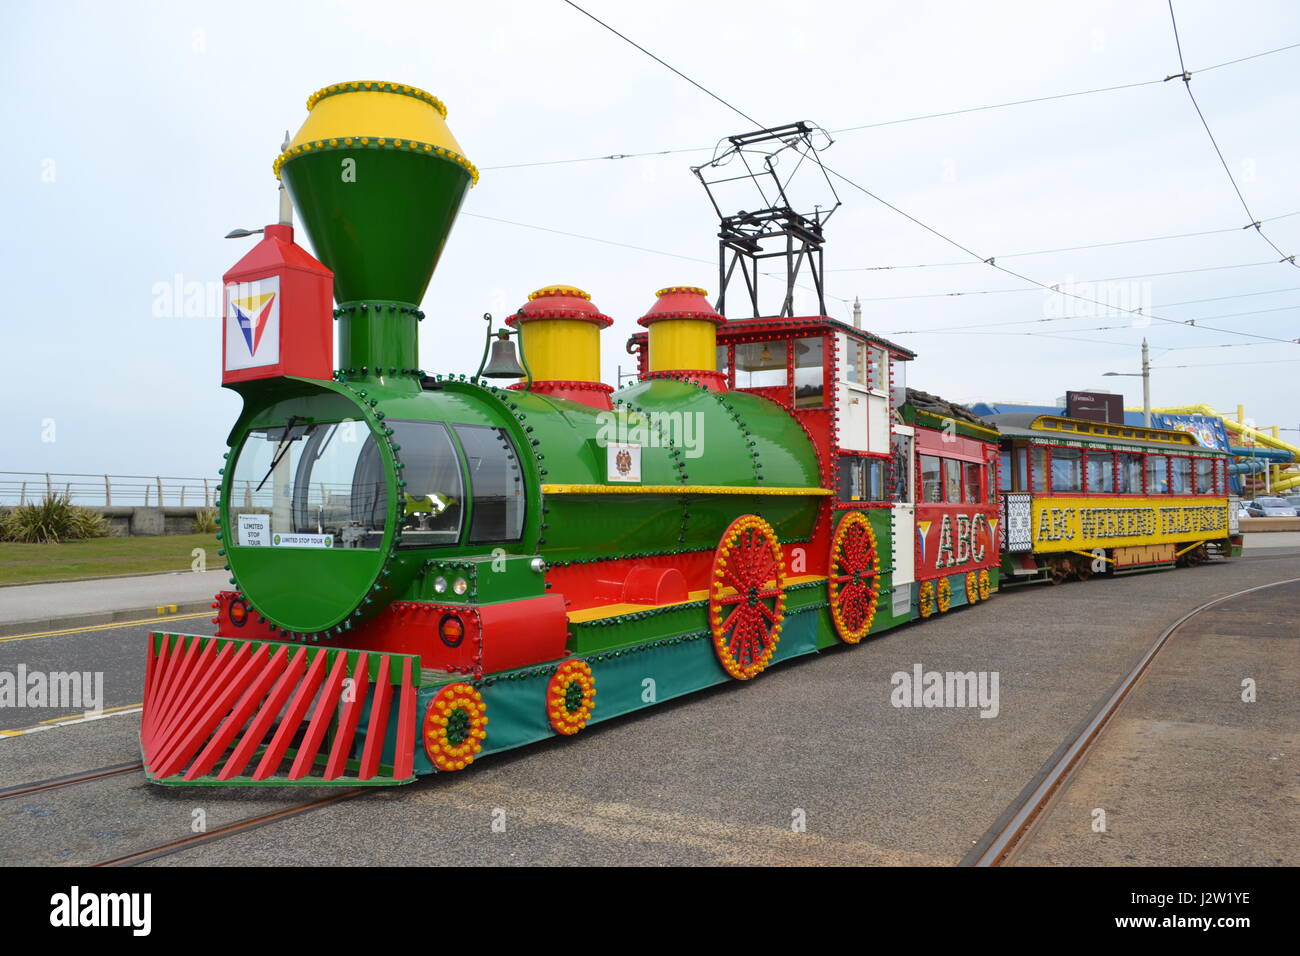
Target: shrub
50, 521
205, 521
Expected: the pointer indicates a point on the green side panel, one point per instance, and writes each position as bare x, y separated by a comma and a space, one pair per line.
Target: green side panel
626, 680
689, 436
382, 230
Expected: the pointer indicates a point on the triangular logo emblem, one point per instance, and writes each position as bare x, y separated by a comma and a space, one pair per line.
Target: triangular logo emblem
251, 313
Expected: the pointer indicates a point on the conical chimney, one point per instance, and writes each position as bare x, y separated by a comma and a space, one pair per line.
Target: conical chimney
378, 180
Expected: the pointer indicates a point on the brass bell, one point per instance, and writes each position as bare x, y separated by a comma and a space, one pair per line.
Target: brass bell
503, 363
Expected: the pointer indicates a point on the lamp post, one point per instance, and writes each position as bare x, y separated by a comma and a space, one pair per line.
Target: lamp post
1145, 375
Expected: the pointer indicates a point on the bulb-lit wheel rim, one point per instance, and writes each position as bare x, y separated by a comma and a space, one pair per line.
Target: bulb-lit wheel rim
972, 588
854, 582
747, 597
455, 726
925, 599
943, 595
570, 697
985, 585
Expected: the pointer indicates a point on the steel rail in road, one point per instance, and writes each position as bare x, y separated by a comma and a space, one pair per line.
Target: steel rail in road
1009, 831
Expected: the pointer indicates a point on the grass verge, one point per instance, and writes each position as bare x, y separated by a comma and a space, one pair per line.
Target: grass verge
101, 557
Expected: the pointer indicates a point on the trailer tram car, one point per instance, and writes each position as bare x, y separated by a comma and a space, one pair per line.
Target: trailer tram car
429, 568
1080, 498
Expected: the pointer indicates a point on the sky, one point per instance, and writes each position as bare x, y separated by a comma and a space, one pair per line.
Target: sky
141, 133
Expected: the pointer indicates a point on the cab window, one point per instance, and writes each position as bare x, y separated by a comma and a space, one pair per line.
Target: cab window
433, 499
809, 368
496, 483
761, 365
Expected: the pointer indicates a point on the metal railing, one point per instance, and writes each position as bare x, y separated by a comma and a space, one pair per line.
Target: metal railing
150, 491
28, 487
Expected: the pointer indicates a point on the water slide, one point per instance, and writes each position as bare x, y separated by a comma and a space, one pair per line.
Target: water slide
1246, 431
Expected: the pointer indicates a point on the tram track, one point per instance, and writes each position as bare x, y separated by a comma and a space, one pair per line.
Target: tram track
55, 783
231, 829
1000, 842
175, 846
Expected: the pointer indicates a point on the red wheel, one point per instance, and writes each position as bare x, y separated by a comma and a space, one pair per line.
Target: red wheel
853, 585
747, 597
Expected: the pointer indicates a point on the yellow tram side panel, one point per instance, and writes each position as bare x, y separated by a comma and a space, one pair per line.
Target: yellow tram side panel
1081, 523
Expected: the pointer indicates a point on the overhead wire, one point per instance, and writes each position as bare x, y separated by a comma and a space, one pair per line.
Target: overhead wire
1186, 77
990, 261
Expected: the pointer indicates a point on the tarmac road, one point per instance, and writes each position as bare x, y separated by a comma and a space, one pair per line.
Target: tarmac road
725, 777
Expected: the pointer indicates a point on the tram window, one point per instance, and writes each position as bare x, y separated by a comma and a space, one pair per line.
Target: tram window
1101, 472
1067, 472
720, 358
1157, 475
898, 392
877, 472
851, 479
862, 479
972, 482
931, 480
432, 507
1040, 470
1130, 473
1220, 486
808, 372
761, 365
1180, 475
879, 370
951, 480
1021, 480
1205, 476
902, 490
1004, 470
855, 363
496, 483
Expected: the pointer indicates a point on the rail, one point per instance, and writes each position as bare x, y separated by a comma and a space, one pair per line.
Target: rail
31, 487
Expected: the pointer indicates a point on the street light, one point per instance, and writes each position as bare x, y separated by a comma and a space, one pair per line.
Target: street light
1145, 375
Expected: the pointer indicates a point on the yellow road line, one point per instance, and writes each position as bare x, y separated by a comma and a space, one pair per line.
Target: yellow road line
72, 718
104, 627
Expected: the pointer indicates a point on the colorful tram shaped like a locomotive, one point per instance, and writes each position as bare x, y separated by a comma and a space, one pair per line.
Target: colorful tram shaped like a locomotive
427, 569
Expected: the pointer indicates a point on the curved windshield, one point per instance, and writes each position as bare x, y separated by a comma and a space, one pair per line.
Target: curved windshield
324, 485
309, 486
